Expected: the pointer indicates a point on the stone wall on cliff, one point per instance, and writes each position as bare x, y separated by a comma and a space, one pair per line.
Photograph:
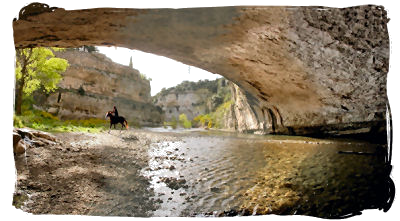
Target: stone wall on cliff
93, 84
316, 69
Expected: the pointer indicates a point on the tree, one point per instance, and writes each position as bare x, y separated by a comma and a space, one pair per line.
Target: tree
36, 68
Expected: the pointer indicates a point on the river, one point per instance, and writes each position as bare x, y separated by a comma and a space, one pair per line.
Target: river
213, 173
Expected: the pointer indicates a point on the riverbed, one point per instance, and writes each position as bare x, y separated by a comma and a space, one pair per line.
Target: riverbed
163, 172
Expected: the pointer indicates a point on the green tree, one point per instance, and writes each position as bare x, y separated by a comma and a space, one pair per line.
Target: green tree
36, 68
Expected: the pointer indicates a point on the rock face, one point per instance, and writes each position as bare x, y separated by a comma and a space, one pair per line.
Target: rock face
315, 69
93, 84
191, 98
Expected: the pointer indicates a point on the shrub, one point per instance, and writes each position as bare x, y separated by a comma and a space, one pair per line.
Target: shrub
17, 121
184, 122
202, 120
173, 122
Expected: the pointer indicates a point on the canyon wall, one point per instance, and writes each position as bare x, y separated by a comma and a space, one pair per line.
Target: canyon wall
191, 98
304, 69
93, 84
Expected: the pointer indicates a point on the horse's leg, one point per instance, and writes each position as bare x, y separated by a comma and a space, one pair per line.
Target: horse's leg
110, 127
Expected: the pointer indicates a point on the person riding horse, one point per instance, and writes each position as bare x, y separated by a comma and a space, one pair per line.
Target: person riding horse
115, 119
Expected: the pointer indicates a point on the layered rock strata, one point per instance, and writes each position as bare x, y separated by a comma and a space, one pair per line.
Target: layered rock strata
93, 84
192, 98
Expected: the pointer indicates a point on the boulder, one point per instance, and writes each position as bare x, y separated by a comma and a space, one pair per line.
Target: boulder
16, 138
20, 147
44, 135
25, 133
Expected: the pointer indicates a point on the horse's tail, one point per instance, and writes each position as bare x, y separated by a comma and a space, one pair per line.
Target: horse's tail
126, 124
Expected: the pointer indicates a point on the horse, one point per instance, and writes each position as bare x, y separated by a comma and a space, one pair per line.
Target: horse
117, 120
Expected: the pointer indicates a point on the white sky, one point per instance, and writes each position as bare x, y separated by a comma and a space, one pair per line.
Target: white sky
163, 71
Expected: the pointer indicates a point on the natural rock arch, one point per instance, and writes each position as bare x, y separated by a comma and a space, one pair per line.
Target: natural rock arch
321, 69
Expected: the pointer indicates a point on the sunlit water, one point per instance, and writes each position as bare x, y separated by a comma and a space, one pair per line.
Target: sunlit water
209, 173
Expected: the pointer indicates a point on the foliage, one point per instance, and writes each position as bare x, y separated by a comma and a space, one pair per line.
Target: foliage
144, 77
42, 69
37, 68
173, 123
214, 119
219, 115
81, 91
212, 86
217, 101
203, 119
45, 121
184, 122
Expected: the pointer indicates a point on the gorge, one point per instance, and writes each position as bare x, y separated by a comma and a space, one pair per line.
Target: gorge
315, 72
306, 69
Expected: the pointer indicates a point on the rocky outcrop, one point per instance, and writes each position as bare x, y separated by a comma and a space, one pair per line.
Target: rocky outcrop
93, 84
245, 115
24, 138
191, 98
316, 69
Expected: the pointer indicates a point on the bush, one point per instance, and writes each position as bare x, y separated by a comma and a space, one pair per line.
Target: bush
18, 122
214, 119
202, 120
173, 123
184, 122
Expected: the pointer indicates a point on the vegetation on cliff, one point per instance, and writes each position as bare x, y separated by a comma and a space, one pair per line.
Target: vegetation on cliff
215, 119
218, 102
186, 86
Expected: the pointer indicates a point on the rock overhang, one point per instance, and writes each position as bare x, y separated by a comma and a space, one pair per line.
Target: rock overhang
317, 66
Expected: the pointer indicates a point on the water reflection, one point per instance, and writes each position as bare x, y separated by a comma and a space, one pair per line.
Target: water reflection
214, 173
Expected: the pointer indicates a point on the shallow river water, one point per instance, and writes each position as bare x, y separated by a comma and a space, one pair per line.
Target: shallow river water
209, 173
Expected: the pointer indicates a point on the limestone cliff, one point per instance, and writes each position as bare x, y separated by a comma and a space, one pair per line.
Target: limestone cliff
93, 84
191, 98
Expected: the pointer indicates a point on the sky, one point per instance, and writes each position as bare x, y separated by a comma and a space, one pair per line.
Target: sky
163, 71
